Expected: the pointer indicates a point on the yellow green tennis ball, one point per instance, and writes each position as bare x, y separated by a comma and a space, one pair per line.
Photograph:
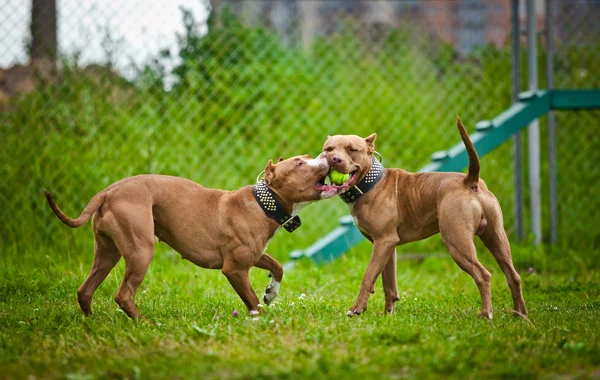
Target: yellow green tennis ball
338, 178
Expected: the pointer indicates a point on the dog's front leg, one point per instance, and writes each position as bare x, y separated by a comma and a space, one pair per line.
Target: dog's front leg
275, 271
382, 250
238, 278
390, 286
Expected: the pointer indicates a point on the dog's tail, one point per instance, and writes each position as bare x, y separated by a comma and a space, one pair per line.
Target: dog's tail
89, 210
472, 178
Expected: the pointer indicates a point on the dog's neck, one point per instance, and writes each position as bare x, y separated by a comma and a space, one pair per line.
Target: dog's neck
299, 206
365, 184
276, 208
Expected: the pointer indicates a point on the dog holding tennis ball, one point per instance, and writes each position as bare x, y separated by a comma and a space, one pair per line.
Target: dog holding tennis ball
338, 178
393, 207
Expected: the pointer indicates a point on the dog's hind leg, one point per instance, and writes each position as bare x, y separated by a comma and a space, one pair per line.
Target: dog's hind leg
390, 286
458, 230
106, 256
132, 229
494, 238
275, 271
464, 254
137, 262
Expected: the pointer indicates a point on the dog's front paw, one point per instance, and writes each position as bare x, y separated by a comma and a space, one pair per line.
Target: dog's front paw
269, 297
390, 303
486, 315
356, 310
271, 292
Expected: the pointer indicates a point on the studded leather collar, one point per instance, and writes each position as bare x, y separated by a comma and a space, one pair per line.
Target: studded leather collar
370, 180
271, 205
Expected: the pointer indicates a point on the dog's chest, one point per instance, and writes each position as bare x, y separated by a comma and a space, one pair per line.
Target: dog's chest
354, 218
268, 241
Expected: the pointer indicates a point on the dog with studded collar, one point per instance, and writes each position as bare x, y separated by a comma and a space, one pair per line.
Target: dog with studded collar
214, 229
393, 207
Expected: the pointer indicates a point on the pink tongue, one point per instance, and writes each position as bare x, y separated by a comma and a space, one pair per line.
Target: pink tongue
331, 190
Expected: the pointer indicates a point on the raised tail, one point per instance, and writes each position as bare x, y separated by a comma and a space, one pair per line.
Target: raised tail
472, 178
87, 212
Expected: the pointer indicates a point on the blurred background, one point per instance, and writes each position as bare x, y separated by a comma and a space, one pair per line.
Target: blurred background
94, 91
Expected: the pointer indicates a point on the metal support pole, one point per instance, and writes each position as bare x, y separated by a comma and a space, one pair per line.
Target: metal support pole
533, 131
551, 127
517, 143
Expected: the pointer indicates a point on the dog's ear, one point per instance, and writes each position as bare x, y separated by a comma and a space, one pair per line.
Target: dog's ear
325, 143
371, 142
280, 159
269, 172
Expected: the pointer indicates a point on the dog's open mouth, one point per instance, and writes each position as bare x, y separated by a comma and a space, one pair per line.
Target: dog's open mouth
329, 189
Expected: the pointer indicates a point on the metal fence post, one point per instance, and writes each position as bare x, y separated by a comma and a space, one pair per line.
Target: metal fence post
551, 127
533, 131
517, 142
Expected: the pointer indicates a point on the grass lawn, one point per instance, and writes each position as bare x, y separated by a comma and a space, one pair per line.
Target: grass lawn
191, 333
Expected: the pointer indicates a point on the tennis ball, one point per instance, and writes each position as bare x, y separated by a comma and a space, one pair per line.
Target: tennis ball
338, 178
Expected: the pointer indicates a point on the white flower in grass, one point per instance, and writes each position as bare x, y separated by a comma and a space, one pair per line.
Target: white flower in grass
302, 296
292, 304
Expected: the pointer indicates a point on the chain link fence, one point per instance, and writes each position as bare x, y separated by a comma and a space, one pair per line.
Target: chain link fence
212, 91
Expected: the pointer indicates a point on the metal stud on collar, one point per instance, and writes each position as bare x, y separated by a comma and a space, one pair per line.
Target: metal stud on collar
374, 172
265, 196
272, 207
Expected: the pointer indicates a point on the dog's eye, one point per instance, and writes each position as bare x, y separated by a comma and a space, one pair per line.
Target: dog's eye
328, 149
353, 150
300, 163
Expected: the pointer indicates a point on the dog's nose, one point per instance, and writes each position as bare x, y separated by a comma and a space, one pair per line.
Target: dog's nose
336, 159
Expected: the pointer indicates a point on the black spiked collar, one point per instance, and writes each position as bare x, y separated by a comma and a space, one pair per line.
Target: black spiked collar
272, 206
370, 180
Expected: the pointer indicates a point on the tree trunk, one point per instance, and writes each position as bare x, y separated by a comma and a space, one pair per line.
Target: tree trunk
43, 30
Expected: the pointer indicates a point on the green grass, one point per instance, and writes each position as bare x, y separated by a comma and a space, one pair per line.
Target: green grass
190, 332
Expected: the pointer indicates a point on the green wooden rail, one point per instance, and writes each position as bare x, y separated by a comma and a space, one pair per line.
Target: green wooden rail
488, 136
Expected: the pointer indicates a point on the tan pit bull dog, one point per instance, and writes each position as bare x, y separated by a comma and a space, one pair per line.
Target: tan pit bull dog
214, 229
393, 207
